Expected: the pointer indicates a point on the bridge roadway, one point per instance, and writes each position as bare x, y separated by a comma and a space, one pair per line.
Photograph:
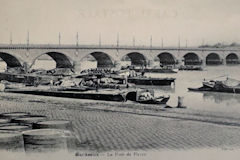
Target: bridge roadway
72, 56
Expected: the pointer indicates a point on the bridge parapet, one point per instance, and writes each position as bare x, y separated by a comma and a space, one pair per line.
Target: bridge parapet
123, 47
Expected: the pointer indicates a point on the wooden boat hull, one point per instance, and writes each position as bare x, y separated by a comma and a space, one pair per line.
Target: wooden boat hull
74, 89
191, 68
155, 70
27, 78
120, 97
145, 81
152, 101
225, 90
151, 81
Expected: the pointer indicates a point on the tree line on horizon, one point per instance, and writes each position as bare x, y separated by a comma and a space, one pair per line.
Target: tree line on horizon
220, 45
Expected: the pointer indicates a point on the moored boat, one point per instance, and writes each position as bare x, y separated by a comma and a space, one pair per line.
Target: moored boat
105, 95
191, 68
142, 80
148, 97
134, 77
151, 81
157, 100
229, 86
156, 70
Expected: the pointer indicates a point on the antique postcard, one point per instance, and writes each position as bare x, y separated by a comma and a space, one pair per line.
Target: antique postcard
119, 79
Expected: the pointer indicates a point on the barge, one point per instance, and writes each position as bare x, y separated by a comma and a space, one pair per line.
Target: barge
191, 68
106, 95
228, 86
141, 80
151, 81
156, 70
27, 79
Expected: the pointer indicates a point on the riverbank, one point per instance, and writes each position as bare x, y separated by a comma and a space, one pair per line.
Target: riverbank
118, 126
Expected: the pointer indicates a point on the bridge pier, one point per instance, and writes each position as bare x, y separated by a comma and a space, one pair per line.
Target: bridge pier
224, 62
117, 64
151, 63
203, 63
77, 67
26, 67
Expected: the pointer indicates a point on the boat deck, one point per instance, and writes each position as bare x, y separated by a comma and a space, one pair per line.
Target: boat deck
105, 94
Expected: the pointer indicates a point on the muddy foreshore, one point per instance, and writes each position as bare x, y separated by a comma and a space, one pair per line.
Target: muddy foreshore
114, 127
129, 107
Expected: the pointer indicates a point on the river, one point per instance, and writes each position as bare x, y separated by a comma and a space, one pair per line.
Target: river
207, 101
222, 102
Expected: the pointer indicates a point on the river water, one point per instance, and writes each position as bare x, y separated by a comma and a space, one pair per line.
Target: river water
207, 101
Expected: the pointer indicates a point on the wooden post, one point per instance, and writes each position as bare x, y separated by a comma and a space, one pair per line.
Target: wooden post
180, 102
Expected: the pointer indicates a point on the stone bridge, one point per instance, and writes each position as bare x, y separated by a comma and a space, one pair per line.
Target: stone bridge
72, 56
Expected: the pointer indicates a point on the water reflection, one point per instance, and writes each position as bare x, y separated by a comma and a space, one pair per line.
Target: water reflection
212, 101
221, 97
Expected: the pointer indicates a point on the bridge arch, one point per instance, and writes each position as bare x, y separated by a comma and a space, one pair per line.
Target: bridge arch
232, 58
166, 58
136, 58
103, 59
62, 61
213, 59
192, 58
10, 60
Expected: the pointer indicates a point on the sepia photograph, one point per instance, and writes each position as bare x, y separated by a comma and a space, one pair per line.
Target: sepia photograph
119, 79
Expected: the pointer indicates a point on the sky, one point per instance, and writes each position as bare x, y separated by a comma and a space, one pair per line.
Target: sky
194, 22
